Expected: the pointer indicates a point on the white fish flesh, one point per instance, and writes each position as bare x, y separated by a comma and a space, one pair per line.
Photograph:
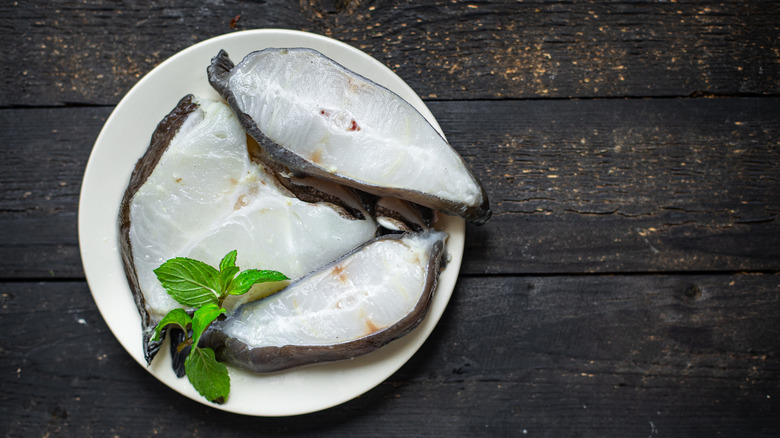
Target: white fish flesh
318, 118
196, 193
353, 306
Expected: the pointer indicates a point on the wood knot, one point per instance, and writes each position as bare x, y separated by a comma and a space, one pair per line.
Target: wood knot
692, 293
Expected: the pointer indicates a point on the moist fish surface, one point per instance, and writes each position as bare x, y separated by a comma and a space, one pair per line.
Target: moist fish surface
371, 296
316, 117
196, 193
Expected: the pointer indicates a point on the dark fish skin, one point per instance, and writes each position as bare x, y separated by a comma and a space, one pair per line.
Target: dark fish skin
271, 358
219, 74
161, 139
177, 357
406, 216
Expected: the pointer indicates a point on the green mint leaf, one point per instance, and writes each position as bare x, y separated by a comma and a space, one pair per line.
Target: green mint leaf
190, 282
245, 280
226, 278
175, 316
227, 270
228, 261
209, 377
202, 318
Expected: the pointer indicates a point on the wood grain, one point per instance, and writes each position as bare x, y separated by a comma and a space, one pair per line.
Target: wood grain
596, 355
627, 284
63, 52
576, 186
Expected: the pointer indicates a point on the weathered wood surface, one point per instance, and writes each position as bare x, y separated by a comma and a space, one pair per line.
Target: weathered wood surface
64, 52
636, 355
627, 285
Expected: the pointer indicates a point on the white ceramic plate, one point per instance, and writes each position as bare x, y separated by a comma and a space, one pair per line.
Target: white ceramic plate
121, 143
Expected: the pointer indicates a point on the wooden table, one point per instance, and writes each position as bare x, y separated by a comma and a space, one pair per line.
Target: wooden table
626, 285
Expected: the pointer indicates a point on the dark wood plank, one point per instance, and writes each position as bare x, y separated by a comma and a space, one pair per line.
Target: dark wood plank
43, 159
628, 284
92, 52
555, 356
576, 186
625, 185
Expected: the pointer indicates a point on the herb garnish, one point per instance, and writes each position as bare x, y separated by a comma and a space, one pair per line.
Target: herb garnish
196, 284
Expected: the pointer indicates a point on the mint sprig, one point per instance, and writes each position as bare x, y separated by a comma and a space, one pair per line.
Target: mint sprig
201, 286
